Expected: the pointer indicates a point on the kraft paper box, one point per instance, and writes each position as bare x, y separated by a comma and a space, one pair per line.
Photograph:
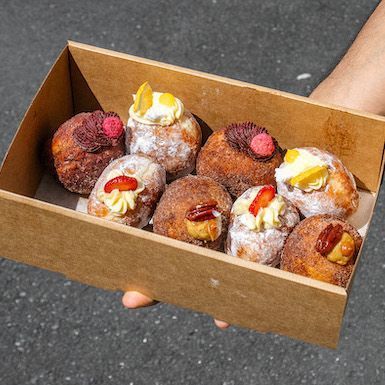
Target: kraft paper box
43, 225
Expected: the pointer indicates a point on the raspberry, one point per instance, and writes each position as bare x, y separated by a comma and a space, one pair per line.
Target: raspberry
262, 144
112, 127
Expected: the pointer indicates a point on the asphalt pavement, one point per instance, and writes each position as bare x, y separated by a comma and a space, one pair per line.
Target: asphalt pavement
54, 331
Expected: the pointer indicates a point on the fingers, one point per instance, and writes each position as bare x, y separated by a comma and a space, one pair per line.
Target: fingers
221, 324
134, 300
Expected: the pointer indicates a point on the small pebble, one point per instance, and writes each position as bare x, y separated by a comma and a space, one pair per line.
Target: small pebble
303, 76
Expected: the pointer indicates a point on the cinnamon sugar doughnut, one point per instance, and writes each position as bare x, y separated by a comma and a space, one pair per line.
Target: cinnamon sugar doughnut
83, 146
240, 156
194, 209
300, 254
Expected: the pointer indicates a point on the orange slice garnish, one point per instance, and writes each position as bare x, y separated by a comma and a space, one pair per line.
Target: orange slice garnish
143, 98
309, 176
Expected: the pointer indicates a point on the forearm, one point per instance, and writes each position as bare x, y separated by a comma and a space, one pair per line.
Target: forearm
358, 81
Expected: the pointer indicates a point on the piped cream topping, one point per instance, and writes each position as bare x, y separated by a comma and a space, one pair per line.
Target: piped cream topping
165, 110
266, 218
119, 202
302, 170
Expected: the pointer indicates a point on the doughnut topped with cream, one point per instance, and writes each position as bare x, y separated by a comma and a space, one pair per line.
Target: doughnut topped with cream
317, 182
260, 222
159, 126
128, 190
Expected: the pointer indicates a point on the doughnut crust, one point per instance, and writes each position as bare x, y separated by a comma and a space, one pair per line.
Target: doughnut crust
175, 147
77, 169
179, 197
300, 256
234, 169
154, 179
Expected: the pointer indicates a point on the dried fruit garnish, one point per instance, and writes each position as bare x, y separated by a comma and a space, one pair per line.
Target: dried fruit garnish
264, 196
241, 135
121, 183
203, 212
143, 98
328, 238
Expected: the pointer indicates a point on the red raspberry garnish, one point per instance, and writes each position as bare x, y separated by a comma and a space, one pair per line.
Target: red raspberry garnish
262, 144
122, 183
112, 127
264, 196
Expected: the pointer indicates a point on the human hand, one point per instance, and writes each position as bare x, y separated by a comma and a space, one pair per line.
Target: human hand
135, 300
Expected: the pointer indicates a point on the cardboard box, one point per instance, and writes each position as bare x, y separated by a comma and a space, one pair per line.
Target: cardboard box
114, 257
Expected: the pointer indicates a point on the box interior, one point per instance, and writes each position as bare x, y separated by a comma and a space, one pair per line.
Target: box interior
84, 79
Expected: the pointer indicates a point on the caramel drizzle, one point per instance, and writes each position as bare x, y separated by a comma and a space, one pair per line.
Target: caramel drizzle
90, 135
240, 135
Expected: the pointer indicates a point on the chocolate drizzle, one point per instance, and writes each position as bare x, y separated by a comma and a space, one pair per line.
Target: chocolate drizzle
240, 135
90, 135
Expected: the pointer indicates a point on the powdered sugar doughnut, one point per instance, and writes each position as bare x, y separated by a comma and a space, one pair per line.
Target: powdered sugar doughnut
115, 200
175, 147
159, 126
264, 243
334, 192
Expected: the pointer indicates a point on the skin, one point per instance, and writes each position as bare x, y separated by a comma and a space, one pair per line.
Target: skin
358, 82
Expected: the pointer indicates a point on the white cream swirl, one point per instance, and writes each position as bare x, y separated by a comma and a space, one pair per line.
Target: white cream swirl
266, 218
119, 202
158, 113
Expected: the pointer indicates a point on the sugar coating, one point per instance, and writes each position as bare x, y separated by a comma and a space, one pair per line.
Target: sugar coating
264, 246
154, 179
175, 147
317, 201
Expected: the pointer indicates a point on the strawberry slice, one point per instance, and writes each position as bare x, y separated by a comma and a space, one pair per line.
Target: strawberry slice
264, 196
122, 183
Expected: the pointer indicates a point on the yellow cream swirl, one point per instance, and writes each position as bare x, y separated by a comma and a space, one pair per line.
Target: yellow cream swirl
160, 112
266, 218
119, 202
303, 170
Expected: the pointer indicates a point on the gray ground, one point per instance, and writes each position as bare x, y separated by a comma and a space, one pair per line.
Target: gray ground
58, 332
